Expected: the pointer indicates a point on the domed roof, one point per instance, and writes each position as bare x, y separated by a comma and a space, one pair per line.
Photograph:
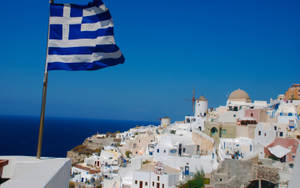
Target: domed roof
239, 95
202, 98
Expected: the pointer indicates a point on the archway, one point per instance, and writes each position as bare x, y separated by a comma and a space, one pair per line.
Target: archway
213, 131
264, 184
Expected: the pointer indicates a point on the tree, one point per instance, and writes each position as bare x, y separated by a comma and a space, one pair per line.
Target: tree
128, 153
196, 182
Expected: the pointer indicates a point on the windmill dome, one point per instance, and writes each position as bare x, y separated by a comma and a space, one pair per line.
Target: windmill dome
202, 98
239, 95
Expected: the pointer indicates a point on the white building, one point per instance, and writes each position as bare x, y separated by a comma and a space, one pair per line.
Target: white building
93, 161
201, 109
24, 171
81, 174
265, 133
178, 144
237, 148
287, 115
155, 175
110, 161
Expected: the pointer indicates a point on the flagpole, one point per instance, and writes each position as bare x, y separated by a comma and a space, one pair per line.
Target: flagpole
44, 95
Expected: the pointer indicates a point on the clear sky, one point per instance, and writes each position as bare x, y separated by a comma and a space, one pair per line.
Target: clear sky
170, 47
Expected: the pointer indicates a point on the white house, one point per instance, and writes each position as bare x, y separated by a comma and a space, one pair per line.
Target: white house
93, 161
178, 144
265, 133
287, 115
83, 174
155, 175
236, 148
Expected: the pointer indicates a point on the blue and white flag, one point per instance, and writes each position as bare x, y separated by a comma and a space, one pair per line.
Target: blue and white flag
81, 37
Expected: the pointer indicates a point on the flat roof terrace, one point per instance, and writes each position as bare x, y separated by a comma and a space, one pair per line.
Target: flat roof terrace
26, 171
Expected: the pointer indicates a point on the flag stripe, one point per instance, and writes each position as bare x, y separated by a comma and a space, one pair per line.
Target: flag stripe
96, 3
84, 65
106, 48
84, 58
82, 42
75, 32
97, 25
94, 10
96, 18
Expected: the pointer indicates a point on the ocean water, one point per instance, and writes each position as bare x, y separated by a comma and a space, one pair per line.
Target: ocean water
19, 134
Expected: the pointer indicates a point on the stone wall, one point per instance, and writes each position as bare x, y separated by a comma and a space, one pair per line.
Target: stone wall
239, 174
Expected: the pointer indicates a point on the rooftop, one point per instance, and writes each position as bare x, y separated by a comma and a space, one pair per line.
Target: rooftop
239, 95
25, 171
166, 169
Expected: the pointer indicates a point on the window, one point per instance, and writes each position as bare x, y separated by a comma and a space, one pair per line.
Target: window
146, 183
259, 133
157, 178
136, 181
183, 150
157, 150
221, 179
281, 134
251, 115
265, 134
153, 184
164, 151
163, 185
275, 128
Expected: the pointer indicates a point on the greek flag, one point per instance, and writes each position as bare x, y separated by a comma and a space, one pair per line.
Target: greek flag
81, 37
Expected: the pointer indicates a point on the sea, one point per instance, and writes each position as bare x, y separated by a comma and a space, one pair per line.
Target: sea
19, 134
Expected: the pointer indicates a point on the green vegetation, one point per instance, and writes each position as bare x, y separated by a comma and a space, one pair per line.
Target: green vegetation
274, 158
71, 184
146, 162
83, 149
128, 153
198, 181
173, 131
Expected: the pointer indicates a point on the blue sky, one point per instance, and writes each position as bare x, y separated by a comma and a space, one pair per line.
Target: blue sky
170, 48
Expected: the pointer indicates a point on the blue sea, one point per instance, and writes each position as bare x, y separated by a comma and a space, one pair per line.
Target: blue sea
19, 134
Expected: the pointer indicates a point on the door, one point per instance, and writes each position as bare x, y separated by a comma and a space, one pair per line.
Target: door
141, 184
157, 185
180, 149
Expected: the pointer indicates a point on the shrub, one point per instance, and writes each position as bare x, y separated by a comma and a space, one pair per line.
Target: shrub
197, 181
128, 153
71, 184
146, 162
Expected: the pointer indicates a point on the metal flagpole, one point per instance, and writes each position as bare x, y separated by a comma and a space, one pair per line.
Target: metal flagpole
45, 83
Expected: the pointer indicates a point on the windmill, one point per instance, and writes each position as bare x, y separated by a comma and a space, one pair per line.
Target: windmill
193, 101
